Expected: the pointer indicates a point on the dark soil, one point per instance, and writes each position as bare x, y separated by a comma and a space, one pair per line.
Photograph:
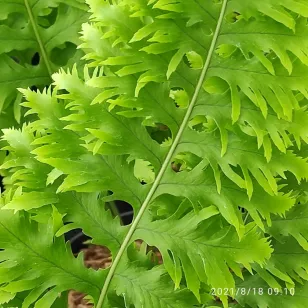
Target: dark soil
95, 257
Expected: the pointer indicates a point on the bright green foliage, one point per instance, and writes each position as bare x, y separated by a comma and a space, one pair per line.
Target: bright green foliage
222, 195
151, 288
205, 250
43, 31
31, 263
295, 225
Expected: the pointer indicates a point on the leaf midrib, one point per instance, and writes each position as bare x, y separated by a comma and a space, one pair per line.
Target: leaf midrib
195, 241
166, 162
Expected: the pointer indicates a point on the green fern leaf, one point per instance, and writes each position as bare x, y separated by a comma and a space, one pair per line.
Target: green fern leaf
88, 212
288, 262
294, 225
27, 262
256, 293
221, 96
150, 288
203, 256
49, 29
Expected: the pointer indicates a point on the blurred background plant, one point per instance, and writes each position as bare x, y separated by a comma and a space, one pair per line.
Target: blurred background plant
37, 37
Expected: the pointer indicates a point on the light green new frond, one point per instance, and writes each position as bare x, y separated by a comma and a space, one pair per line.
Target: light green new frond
270, 132
200, 187
29, 260
282, 12
256, 83
82, 172
105, 127
46, 106
164, 36
18, 141
25, 178
144, 172
238, 157
266, 39
20, 167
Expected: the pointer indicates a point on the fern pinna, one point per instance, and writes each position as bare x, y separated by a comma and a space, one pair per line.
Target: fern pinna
222, 196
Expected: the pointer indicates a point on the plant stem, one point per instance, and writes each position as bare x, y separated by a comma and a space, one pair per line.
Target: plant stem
246, 217
166, 163
38, 37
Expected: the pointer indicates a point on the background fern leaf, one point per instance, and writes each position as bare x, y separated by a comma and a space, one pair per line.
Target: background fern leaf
37, 37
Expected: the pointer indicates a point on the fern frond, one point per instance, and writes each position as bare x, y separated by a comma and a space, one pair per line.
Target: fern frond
220, 97
49, 254
28, 261
289, 262
260, 295
21, 168
294, 225
48, 30
87, 211
149, 288
280, 12
181, 239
